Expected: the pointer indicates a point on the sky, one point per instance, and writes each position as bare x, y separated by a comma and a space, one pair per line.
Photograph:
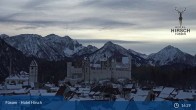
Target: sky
141, 25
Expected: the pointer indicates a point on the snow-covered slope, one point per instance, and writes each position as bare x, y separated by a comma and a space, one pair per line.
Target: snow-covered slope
138, 54
113, 50
108, 50
86, 51
171, 55
52, 47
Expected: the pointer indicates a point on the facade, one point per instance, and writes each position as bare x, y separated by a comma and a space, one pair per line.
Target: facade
105, 69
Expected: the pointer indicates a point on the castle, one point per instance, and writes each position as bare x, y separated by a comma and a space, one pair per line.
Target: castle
105, 69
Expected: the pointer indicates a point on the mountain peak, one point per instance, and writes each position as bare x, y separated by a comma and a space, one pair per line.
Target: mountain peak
29, 36
170, 47
109, 43
52, 35
3, 36
170, 55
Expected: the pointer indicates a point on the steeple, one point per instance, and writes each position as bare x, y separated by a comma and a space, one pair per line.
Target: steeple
33, 73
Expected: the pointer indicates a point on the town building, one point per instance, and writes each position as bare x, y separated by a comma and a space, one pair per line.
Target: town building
106, 68
23, 79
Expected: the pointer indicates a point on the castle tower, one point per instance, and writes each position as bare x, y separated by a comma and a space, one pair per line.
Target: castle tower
113, 67
104, 62
113, 64
86, 69
69, 66
33, 73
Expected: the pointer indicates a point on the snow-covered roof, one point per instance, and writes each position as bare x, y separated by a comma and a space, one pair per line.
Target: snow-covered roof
166, 92
129, 86
20, 91
91, 93
49, 85
115, 85
140, 95
17, 77
184, 95
142, 92
158, 88
6, 91
26, 83
12, 87
97, 93
83, 90
54, 88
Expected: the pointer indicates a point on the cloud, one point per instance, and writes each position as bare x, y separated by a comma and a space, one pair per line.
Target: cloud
102, 41
78, 14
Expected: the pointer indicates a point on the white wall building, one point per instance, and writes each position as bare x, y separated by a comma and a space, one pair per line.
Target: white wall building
106, 69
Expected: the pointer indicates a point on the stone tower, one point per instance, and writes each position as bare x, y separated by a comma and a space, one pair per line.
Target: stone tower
69, 67
86, 69
33, 73
113, 67
113, 64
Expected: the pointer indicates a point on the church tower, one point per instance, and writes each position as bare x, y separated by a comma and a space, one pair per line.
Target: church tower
86, 69
33, 74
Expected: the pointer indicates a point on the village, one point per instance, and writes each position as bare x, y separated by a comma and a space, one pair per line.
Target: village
85, 84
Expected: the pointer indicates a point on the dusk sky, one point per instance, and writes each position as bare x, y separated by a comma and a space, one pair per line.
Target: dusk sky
141, 25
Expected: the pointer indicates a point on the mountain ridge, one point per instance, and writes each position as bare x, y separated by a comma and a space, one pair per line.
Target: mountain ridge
54, 47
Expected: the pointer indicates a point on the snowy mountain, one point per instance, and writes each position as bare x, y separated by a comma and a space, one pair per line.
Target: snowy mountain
52, 47
171, 55
113, 50
138, 54
108, 50
86, 51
